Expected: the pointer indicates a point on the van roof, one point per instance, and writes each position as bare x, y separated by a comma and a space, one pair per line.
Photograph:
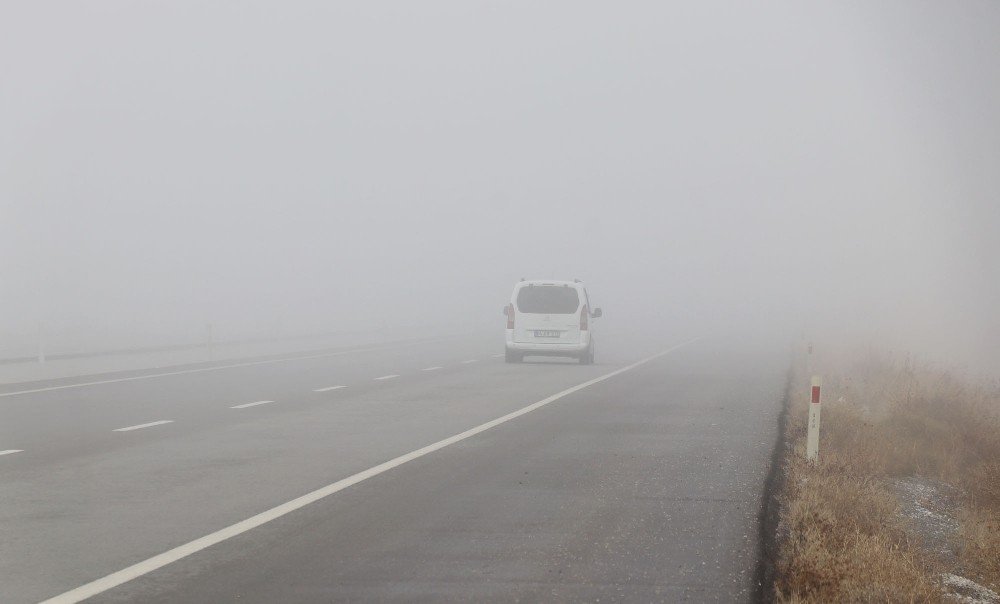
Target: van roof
550, 282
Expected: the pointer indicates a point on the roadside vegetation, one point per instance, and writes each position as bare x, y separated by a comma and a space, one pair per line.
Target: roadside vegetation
904, 503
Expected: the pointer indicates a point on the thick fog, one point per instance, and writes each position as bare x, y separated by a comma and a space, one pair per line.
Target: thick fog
277, 168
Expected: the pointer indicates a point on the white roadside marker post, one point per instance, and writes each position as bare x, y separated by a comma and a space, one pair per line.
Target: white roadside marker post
812, 437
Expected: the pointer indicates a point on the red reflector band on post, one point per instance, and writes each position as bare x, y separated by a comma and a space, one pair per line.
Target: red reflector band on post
815, 395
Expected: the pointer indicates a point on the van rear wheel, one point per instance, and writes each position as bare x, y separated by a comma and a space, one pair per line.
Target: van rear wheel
509, 356
588, 357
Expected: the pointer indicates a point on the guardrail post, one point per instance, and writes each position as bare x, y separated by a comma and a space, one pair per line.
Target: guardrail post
812, 437
209, 340
41, 343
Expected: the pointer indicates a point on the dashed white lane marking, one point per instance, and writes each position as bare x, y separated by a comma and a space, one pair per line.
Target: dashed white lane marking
214, 368
149, 425
388, 377
9, 451
470, 361
329, 388
435, 368
150, 564
253, 404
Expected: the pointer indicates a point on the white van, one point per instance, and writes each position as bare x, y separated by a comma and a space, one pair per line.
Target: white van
552, 318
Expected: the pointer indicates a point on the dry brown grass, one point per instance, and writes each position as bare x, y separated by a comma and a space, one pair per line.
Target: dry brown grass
844, 537
845, 540
980, 551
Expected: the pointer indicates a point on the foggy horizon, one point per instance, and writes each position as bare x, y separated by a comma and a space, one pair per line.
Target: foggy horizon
789, 169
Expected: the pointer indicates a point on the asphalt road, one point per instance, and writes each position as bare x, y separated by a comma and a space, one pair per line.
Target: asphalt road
642, 486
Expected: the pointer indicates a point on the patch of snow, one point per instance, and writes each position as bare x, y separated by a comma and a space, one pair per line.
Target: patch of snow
968, 591
931, 507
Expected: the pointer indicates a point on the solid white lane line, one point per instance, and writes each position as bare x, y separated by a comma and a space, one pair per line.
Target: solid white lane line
388, 377
150, 564
9, 451
253, 404
470, 361
329, 388
435, 368
150, 424
497, 356
202, 369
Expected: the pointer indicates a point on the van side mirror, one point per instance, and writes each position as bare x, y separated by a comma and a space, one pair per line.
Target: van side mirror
597, 313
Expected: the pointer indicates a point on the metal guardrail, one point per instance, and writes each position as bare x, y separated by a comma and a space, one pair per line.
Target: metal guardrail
34, 358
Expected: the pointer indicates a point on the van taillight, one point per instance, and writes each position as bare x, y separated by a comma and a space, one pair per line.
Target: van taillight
584, 318
510, 316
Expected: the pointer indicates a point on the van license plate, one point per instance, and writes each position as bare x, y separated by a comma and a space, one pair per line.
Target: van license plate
546, 334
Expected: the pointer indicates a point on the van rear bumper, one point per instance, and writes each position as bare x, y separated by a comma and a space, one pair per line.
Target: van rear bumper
549, 349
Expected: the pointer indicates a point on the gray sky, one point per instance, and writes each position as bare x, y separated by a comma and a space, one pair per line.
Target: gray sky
284, 167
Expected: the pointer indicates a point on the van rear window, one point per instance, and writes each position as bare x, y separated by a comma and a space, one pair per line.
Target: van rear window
548, 299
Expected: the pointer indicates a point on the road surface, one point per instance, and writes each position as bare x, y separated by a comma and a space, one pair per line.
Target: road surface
629, 482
